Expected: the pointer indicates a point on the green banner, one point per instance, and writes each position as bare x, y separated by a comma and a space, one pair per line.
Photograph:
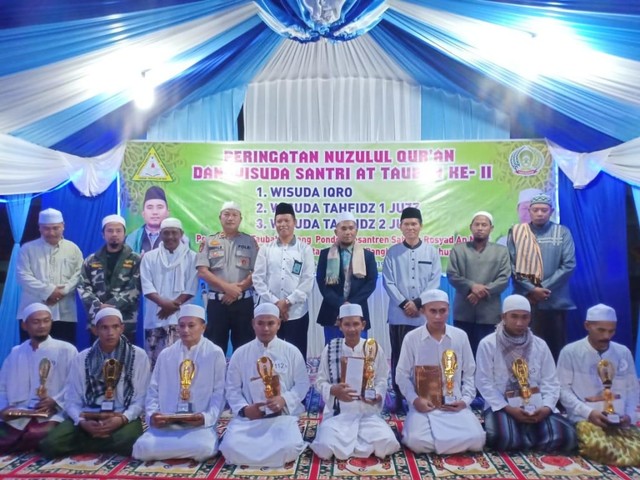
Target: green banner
448, 181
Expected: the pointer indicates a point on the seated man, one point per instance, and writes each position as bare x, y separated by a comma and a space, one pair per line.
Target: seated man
188, 380
266, 383
104, 396
516, 376
435, 374
32, 380
599, 389
351, 424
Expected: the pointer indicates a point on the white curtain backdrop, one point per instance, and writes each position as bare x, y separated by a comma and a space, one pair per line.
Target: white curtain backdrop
332, 92
29, 168
212, 118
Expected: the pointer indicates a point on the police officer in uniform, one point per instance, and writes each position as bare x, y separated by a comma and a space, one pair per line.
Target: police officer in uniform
225, 262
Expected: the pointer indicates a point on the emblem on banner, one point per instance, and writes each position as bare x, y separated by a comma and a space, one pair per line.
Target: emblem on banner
152, 168
526, 161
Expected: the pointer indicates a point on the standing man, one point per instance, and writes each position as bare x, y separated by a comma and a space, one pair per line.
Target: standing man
524, 202
154, 211
436, 423
169, 279
194, 434
594, 372
32, 378
264, 430
346, 273
409, 270
516, 376
89, 430
542, 261
226, 262
111, 276
479, 270
283, 275
48, 271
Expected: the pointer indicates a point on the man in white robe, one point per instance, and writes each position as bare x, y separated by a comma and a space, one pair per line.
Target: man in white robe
351, 423
169, 279
48, 270
583, 394
194, 435
517, 417
429, 427
264, 431
32, 379
88, 429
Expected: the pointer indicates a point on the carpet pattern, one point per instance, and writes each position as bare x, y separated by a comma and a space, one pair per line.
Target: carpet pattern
404, 465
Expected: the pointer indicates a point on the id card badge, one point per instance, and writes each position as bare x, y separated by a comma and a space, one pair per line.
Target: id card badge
297, 267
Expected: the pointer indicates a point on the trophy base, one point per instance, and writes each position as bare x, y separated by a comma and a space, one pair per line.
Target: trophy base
97, 415
370, 394
450, 399
108, 406
612, 418
21, 413
184, 407
529, 409
179, 417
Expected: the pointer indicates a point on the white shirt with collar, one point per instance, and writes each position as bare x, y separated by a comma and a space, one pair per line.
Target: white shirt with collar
420, 348
579, 380
285, 271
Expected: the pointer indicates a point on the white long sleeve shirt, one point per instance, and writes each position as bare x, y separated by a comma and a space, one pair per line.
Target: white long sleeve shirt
420, 348
156, 278
285, 271
323, 380
288, 364
20, 377
579, 380
74, 394
41, 268
492, 374
207, 387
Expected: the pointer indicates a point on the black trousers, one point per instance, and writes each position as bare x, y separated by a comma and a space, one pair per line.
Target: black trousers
475, 332
550, 325
396, 336
234, 319
295, 332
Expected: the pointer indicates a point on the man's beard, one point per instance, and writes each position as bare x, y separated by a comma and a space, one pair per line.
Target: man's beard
39, 338
115, 245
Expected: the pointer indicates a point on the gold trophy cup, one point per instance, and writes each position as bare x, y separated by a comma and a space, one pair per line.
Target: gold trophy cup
449, 366
606, 372
187, 371
111, 370
44, 368
370, 353
520, 370
270, 380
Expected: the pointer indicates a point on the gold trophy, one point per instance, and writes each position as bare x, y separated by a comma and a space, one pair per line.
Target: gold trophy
370, 353
449, 366
111, 370
520, 370
270, 380
606, 372
187, 371
44, 368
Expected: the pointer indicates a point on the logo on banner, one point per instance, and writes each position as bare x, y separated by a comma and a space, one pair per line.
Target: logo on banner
152, 168
526, 161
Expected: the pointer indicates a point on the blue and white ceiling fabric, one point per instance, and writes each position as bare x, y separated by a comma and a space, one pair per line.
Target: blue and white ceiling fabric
68, 68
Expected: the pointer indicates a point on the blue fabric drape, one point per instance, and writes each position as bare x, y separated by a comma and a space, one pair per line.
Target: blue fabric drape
18, 210
597, 219
82, 225
635, 190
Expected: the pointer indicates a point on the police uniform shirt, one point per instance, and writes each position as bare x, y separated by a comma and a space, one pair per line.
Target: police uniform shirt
230, 259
